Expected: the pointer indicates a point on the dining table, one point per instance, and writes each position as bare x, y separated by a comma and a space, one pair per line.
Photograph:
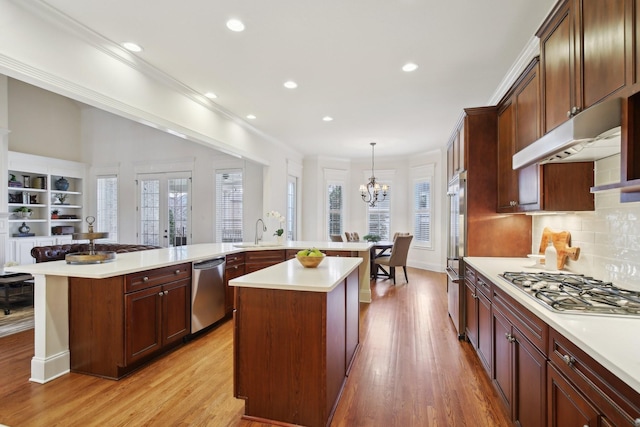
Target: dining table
378, 249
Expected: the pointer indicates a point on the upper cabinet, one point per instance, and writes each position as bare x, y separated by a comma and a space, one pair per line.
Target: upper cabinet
585, 57
519, 126
551, 187
456, 152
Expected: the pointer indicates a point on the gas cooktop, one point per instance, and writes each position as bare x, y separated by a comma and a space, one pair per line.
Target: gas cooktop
575, 293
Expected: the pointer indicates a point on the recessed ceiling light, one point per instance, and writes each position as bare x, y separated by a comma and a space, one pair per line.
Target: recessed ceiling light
211, 95
235, 25
327, 118
290, 84
409, 66
132, 47
251, 116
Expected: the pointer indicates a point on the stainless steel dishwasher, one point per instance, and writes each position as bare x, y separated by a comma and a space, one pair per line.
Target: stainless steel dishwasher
207, 293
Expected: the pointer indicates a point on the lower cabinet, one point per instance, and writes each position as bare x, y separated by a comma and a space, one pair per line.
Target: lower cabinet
118, 323
542, 377
519, 373
478, 316
257, 260
234, 267
582, 392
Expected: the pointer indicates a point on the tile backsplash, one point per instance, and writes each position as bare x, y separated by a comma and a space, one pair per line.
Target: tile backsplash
608, 238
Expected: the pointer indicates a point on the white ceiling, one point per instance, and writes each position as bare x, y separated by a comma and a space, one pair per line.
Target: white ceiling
345, 55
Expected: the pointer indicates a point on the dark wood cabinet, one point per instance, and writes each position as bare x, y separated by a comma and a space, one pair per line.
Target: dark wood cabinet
567, 406
519, 368
584, 390
478, 315
456, 151
156, 318
234, 267
584, 55
118, 323
294, 381
518, 127
257, 260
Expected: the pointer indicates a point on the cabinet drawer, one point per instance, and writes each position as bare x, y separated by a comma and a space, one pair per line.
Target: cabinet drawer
469, 274
527, 323
158, 276
616, 400
340, 253
483, 285
233, 260
264, 256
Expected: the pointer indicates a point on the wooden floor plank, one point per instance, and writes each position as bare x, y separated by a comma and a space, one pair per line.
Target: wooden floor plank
411, 370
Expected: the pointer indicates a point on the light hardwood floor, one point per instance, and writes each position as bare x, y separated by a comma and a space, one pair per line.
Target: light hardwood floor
411, 370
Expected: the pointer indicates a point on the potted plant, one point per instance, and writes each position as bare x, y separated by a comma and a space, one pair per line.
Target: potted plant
54, 214
60, 198
373, 238
279, 233
23, 212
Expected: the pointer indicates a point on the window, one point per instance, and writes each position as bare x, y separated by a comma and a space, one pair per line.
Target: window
292, 200
334, 213
229, 206
423, 205
107, 206
379, 218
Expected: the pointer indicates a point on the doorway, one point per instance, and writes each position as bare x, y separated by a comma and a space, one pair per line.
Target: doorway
164, 209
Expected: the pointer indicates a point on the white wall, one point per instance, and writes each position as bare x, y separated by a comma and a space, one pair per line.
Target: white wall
313, 213
608, 238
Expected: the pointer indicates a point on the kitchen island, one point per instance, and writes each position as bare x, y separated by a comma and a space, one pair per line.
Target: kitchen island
51, 293
296, 334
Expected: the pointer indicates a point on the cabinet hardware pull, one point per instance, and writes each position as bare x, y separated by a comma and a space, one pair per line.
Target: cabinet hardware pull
145, 279
166, 292
177, 271
160, 294
569, 360
509, 337
636, 423
474, 296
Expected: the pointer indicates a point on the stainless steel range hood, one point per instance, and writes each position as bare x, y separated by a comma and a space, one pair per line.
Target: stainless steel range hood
591, 135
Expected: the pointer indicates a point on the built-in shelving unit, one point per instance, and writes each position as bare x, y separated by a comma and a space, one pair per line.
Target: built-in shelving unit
51, 191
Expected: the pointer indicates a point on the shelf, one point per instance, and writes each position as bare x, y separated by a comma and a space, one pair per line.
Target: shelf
72, 193
27, 220
66, 220
19, 205
28, 189
58, 207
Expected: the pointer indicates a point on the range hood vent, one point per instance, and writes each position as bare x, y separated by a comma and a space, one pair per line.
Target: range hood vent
591, 135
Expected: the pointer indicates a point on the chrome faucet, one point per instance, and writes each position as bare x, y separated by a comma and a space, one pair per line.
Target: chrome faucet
264, 228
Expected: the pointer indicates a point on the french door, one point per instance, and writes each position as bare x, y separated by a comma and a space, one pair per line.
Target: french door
164, 209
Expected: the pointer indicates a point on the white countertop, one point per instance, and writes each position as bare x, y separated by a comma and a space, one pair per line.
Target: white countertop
292, 276
132, 262
610, 340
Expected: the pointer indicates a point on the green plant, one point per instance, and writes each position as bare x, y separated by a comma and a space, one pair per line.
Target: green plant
22, 209
371, 238
61, 198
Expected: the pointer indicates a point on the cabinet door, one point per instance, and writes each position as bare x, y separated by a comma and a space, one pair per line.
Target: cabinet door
176, 311
484, 330
231, 273
502, 358
603, 53
530, 383
507, 177
471, 313
22, 251
143, 313
557, 55
566, 405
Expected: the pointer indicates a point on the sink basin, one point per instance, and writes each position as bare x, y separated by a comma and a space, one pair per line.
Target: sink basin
259, 245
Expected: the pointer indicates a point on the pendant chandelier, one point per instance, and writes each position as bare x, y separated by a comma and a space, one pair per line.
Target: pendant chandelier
372, 192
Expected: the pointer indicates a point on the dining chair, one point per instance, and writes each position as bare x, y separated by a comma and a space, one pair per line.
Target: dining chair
397, 258
352, 236
336, 238
399, 233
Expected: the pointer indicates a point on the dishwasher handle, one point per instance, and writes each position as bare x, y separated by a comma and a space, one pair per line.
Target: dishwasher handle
208, 264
